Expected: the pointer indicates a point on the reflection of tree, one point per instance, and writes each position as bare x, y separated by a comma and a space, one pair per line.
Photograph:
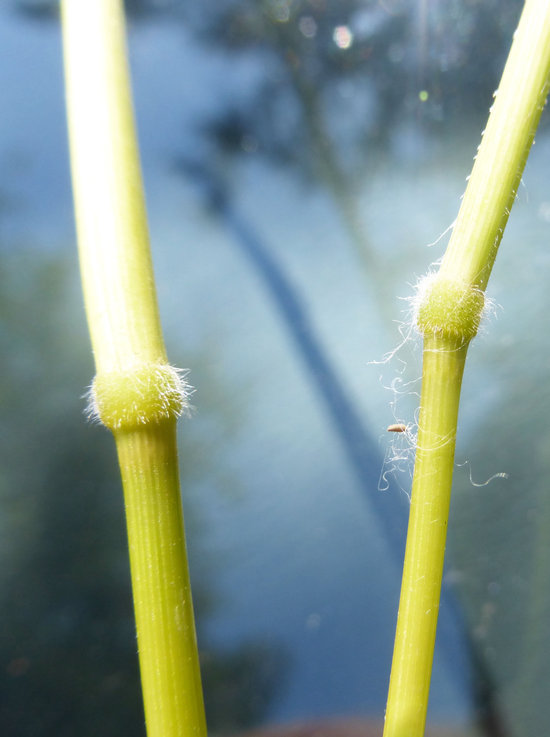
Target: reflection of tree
68, 662
309, 87
338, 76
454, 50
387, 50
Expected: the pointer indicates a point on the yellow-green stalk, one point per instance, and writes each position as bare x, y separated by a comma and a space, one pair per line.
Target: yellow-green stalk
449, 307
135, 393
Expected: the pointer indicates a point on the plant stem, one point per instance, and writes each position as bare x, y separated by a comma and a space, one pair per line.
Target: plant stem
164, 616
504, 149
135, 393
423, 568
450, 304
113, 237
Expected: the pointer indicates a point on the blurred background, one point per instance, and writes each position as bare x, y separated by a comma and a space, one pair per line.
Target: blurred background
303, 161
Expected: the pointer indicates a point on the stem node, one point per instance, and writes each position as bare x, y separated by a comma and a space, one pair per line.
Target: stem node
143, 393
449, 308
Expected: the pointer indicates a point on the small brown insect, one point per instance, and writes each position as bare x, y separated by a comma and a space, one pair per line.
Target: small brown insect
399, 427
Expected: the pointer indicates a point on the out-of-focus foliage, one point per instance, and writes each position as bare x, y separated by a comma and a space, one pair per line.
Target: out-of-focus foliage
345, 73
67, 649
68, 657
324, 58
503, 578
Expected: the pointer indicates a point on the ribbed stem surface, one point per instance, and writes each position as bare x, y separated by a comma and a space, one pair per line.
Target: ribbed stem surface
504, 149
423, 569
135, 393
448, 317
162, 593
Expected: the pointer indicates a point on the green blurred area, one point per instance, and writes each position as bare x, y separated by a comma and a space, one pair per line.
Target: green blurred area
68, 649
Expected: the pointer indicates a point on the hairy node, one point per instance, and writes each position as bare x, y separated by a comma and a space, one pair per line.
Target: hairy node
448, 307
142, 394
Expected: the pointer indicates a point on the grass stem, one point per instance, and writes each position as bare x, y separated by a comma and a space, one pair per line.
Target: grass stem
135, 392
450, 305
423, 569
160, 581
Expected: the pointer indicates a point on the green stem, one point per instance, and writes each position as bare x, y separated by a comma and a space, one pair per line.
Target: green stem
162, 593
504, 149
113, 239
449, 308
135, 392
443, 365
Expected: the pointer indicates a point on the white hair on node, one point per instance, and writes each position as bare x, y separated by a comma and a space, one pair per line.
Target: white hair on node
138, 395
91, 409
402, 442
426, 283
